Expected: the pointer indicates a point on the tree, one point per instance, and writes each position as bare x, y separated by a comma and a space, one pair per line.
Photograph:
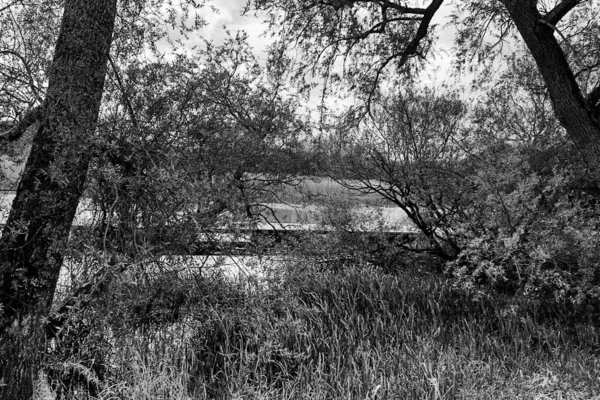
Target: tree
37, 229
25, 56
578, 112
202, 138
143, 154
223, 123
369, 41
63, 97
406, 153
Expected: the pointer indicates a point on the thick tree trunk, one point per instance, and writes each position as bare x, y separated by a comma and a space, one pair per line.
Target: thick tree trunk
37, 229
570, 105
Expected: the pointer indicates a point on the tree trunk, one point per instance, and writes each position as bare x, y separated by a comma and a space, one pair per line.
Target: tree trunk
570, 105
36, 232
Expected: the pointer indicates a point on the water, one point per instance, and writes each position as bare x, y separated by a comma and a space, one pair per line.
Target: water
235, 268
284, 216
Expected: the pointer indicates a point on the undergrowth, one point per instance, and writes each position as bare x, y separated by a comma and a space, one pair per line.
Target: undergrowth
312, 333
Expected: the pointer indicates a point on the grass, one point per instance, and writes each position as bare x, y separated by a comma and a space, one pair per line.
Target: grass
313, 333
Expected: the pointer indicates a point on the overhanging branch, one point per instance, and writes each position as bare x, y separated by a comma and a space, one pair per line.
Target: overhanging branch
593, 99
34, 115
31, 81
124, 93
400, 8
557, 13
412, 47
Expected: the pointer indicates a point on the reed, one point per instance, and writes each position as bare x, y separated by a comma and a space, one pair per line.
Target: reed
305, 332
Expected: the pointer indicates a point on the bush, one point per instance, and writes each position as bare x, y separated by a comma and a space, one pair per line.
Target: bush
552, 255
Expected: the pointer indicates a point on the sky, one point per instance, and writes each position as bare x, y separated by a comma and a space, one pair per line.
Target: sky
229, 14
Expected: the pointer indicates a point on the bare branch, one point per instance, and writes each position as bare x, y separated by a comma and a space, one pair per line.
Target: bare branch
31, 82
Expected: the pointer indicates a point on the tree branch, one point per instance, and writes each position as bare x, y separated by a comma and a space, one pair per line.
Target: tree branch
31, 82
384, 3
412, 47
593, 99
400, 8
124, 93
557, 13
15, 133
10, 5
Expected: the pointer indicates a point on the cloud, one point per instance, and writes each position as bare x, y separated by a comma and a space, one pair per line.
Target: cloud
228, 16
222, 16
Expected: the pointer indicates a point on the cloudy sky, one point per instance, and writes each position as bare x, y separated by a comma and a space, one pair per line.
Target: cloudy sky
229, 15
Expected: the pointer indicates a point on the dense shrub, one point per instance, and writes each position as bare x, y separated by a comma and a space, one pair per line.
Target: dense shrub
538, 237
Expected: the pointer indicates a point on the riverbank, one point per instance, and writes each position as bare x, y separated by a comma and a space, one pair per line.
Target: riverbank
312, 333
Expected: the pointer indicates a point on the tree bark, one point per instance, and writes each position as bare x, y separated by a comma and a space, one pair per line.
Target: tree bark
36, 232
570, 105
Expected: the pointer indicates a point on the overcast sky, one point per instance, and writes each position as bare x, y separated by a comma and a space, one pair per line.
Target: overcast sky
230, 15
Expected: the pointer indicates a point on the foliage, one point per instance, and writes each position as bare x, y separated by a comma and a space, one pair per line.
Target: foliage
352, 42
368, 43
406, 154
366, 46
30, 30
547, 250
303, 332
195, 146
196, 142
488, 186
531, 228
145, 193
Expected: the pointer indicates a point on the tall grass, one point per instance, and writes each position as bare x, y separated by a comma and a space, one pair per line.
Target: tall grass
358, 333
